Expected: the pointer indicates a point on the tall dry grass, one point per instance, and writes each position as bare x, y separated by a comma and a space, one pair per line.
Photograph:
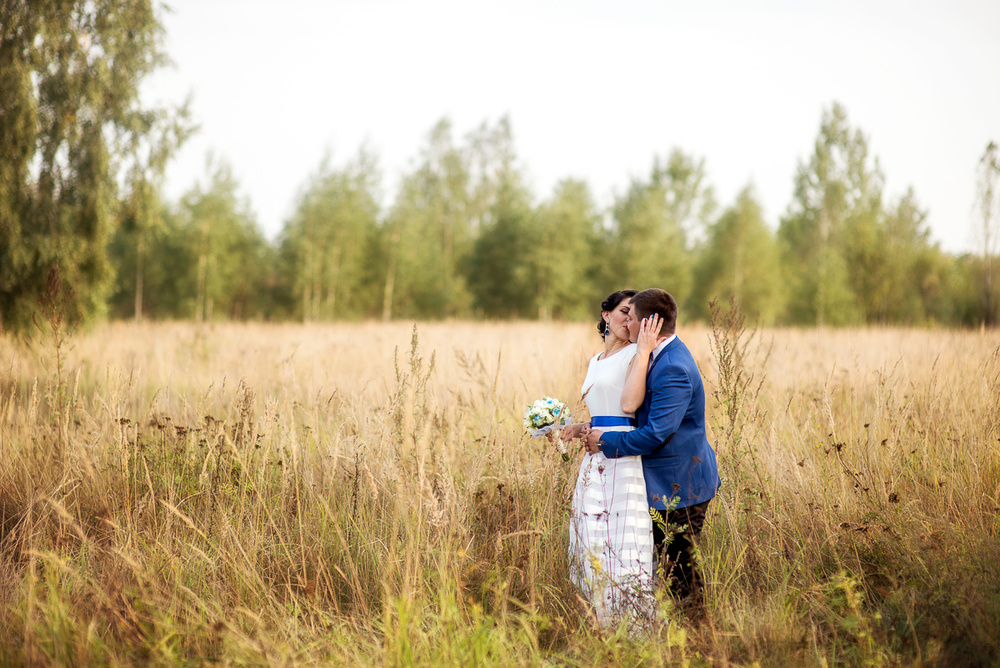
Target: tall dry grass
364, 494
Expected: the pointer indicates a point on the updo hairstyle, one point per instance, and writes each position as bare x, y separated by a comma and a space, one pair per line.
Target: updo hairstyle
611, 303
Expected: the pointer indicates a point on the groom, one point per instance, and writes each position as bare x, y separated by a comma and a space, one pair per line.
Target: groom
678, 462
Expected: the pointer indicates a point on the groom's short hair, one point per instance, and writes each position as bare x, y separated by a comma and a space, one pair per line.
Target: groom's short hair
660, 302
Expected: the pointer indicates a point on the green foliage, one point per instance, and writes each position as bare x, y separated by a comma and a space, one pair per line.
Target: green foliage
830, 236
739, 262
429, 233
231, 259
164, 258
655, 221
69, 118
326, 246
141, 213
501, 268
854, 628
988, 210
565, 252
909, 283
846, 258
82, 168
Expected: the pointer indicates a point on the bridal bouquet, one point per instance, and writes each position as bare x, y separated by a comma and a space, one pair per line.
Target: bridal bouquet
547, 415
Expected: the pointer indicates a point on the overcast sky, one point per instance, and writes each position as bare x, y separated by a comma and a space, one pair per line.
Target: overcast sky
594, 90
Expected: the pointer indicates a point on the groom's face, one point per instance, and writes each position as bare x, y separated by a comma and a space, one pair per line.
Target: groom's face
633, 324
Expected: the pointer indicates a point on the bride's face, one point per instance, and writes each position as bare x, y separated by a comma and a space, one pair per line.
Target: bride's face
618, 321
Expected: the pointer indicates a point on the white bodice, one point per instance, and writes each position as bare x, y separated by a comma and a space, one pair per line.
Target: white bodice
603, 386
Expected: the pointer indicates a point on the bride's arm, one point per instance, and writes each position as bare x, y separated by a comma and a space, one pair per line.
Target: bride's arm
571, 431
635, 382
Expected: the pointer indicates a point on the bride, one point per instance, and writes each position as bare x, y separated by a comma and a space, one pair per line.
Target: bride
610, 537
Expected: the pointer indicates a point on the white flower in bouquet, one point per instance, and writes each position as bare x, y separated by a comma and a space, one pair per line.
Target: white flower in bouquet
546, 415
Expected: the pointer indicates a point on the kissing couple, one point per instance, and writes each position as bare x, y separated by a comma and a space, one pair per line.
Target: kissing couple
649, 471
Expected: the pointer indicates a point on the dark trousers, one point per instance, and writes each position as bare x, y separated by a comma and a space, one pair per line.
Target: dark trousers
672, 545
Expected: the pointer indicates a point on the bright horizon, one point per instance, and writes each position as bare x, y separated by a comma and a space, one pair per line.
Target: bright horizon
593, 91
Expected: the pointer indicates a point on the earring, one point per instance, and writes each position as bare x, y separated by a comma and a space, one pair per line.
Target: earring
607, 328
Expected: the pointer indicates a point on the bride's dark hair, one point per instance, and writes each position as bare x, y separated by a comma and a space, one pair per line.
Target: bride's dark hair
611, 303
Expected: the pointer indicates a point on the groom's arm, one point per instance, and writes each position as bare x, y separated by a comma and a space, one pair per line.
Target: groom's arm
669, 400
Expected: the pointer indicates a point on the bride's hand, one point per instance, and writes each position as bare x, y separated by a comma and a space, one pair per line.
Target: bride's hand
569, 432
649, 331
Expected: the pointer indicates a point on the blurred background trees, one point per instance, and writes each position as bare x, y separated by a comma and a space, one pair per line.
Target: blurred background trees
326, 246
988, 227
656, 222
461, 236
72, 131
832, 223
567, 252
739, 262
229, 260
427, 234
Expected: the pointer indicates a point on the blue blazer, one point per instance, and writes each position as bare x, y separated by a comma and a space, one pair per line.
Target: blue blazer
677, 459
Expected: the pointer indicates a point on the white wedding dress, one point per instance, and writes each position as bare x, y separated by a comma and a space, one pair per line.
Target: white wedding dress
610, 536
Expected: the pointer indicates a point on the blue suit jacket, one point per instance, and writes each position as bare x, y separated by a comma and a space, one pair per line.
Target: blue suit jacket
677, 459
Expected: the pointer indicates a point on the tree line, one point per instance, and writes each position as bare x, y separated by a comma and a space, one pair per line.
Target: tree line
465, 238
81, 171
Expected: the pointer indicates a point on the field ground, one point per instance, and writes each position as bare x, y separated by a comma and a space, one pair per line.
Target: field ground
174, 494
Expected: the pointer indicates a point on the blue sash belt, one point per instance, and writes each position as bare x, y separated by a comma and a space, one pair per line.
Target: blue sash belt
612, 421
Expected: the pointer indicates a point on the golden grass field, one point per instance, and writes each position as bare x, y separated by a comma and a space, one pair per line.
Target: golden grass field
364, 494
